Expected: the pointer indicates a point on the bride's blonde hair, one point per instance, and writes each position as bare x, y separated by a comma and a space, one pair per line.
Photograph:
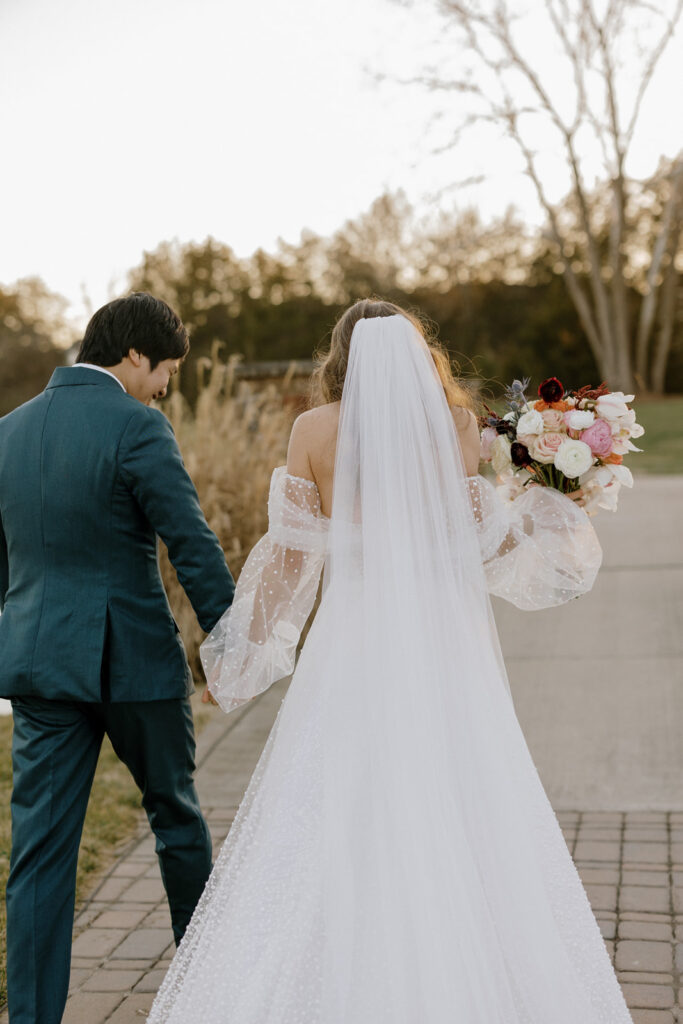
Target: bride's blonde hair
328, 377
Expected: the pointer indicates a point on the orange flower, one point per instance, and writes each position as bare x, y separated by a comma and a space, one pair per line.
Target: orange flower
615, 459
561, 406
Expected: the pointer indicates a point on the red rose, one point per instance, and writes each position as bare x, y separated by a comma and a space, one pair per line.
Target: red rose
551, 390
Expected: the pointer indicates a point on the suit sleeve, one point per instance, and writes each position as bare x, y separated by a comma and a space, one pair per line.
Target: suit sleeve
4, 567
152, 466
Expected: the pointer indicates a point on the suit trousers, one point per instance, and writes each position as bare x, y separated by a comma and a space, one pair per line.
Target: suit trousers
54, 755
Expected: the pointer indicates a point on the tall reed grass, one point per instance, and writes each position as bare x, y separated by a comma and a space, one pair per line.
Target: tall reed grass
231, 442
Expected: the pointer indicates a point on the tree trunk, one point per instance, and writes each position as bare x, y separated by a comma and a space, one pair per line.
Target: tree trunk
666, 241
665, 335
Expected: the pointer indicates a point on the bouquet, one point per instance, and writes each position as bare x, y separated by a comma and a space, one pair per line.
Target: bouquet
574, 441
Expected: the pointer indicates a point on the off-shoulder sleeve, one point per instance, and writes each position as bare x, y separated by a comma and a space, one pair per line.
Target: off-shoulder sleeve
254, 643
539, 550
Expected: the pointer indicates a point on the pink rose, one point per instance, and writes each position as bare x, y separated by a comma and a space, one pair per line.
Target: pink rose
545, 447
488, 436
552, 419
599, 437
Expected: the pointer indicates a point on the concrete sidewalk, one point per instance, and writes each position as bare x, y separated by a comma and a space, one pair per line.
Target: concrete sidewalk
597, 687
598, 683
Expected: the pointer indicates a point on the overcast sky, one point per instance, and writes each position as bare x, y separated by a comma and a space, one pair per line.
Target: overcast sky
127, 122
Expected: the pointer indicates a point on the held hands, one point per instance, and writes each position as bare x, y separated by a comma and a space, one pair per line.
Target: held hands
208, 698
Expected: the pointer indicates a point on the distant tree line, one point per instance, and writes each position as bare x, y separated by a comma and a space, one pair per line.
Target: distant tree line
494, 290
34, 332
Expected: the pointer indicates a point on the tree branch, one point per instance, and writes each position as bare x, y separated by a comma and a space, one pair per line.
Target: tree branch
576, 292
655, 55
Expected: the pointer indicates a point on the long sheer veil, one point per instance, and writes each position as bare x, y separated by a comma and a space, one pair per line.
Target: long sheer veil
444, 861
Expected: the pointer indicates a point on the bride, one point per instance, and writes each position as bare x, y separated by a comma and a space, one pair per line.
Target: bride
395, 859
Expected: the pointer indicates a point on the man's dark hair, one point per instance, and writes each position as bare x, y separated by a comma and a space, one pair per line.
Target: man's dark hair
140, 322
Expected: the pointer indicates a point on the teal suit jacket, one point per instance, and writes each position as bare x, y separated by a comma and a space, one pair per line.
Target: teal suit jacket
88, 478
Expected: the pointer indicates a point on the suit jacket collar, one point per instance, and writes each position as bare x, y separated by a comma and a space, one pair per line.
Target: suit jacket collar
68, 376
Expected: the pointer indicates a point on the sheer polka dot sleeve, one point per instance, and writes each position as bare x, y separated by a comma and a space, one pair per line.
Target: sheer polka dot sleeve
254, 643
538, 550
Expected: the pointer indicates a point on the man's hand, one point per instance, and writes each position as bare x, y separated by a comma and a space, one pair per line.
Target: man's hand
207, 697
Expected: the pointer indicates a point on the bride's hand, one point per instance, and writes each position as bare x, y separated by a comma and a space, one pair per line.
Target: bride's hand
576, 495
207, 697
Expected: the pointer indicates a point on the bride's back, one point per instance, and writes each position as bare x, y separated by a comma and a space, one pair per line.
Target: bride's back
313, 446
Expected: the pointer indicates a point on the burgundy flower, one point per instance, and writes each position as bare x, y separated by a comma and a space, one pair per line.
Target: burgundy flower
551, 390
519, 453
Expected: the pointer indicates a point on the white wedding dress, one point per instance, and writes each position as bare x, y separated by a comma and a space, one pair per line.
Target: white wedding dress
395, 859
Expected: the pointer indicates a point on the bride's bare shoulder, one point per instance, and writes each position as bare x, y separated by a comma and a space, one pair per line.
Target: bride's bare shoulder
468, 435
465, 420
325, 416
313, 432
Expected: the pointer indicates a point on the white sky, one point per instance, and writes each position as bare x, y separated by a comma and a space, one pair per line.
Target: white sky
127, 122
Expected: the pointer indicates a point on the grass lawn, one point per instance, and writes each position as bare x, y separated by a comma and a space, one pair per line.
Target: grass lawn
662, 442
113, 814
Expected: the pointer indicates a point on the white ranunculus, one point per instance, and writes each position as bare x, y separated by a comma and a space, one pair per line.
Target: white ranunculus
530, 423
573, 458
500, 454
579, 419
613, 405
509, 416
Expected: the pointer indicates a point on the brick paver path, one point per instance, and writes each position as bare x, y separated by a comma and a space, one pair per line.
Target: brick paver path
631, 864
605, 734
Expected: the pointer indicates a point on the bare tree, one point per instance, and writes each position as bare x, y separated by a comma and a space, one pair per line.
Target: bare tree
659, 289
589, 101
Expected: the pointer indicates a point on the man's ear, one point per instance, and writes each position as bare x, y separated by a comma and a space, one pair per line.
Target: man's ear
135, 357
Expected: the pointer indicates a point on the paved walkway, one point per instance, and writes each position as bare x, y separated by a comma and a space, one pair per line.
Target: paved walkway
598, 683
603, 724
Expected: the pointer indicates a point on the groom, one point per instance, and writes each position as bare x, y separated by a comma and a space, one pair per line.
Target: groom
89, 476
